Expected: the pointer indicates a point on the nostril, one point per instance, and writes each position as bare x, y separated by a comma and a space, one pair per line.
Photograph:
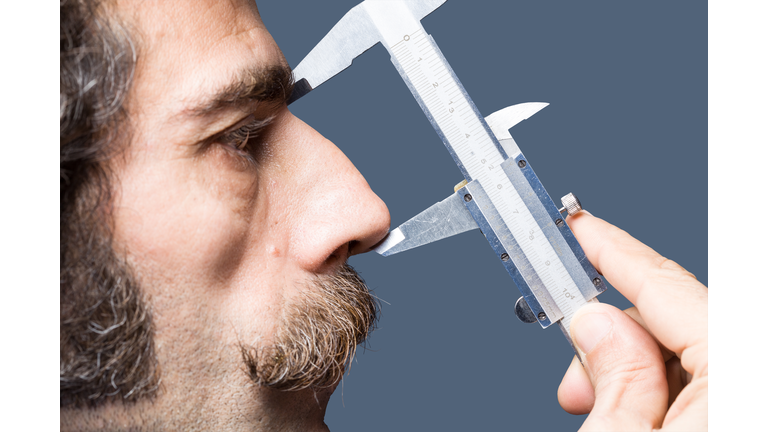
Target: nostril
338, 256
352, 245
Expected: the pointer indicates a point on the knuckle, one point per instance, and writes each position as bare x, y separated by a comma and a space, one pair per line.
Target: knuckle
673, 270
637, 373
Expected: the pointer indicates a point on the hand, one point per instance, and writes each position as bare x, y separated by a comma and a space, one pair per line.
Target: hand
646, 368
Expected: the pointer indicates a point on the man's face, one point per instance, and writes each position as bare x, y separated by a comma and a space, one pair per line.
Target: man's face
227, 232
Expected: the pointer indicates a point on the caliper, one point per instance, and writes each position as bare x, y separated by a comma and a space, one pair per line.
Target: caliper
500, 194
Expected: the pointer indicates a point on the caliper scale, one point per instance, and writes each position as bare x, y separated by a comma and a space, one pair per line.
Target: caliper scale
501, 195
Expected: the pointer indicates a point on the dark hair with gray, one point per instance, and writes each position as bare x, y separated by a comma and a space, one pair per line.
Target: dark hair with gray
106, 344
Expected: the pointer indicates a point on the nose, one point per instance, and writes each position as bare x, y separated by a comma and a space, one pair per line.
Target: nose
335, 214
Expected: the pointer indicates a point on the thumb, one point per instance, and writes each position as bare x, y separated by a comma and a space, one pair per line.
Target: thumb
625, 366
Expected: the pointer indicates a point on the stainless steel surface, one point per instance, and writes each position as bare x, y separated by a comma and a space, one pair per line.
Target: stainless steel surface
571, 204
524, 312
503, 195
444, 219
502, 120
355, 33
449, 217
519, 265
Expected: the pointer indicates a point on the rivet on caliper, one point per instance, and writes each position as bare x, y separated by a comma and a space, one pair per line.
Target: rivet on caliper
521, 164
467, 197
596, 281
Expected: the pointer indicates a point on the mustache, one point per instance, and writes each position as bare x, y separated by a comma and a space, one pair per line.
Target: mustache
318, 336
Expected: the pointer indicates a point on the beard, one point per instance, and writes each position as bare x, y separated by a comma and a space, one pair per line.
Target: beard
107, 335
107, 349
318, 335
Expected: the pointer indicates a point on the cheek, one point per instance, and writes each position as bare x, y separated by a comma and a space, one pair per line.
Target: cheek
187, 218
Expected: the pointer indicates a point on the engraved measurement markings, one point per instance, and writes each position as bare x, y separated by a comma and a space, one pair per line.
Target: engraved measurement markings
427, 78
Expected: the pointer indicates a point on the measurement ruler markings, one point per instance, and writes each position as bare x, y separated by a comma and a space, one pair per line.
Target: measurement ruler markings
409, 64
483, 143
420, 79
442, 74
453, 131
456, 133
404, 51
432, 98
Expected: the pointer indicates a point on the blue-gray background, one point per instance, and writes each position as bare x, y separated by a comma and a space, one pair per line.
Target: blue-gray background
626, 131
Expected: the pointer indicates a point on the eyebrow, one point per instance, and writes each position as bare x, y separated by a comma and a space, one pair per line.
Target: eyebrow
265, 84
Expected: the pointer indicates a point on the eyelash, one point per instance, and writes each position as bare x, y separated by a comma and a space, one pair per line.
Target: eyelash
240, 137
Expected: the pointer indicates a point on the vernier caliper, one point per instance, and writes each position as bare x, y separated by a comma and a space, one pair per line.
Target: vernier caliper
500, 195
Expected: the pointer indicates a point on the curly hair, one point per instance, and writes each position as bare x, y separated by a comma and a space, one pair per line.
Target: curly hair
106, 339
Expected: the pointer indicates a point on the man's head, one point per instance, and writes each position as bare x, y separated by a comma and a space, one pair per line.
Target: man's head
205, 229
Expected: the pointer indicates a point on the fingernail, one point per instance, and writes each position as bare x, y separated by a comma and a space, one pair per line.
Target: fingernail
591, 329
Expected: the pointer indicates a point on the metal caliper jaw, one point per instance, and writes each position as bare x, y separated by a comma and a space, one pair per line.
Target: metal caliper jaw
355, 33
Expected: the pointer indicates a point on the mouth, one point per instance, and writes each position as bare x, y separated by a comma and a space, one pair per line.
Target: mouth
318, 337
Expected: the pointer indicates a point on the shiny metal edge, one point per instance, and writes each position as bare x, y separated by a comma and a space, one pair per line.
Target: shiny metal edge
545, 212
517, 265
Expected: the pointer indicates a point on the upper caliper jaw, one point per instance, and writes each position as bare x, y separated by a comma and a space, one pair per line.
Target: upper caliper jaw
354, 34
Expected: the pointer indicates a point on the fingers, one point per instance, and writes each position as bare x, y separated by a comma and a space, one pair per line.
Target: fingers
575, 393
635, 315
677, 378
625, 367
671, 302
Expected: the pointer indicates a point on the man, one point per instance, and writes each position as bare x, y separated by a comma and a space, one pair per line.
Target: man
205, 231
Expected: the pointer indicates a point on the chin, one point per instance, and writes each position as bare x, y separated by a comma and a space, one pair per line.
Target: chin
301, 409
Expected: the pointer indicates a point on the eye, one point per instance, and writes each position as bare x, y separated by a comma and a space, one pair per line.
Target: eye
246, 133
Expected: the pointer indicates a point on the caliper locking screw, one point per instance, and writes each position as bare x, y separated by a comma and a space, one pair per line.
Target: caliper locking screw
571, 204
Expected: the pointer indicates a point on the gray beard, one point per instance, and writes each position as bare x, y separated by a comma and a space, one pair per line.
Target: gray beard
318, 336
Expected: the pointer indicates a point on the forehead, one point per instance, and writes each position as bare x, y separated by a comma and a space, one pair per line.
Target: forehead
188, 47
